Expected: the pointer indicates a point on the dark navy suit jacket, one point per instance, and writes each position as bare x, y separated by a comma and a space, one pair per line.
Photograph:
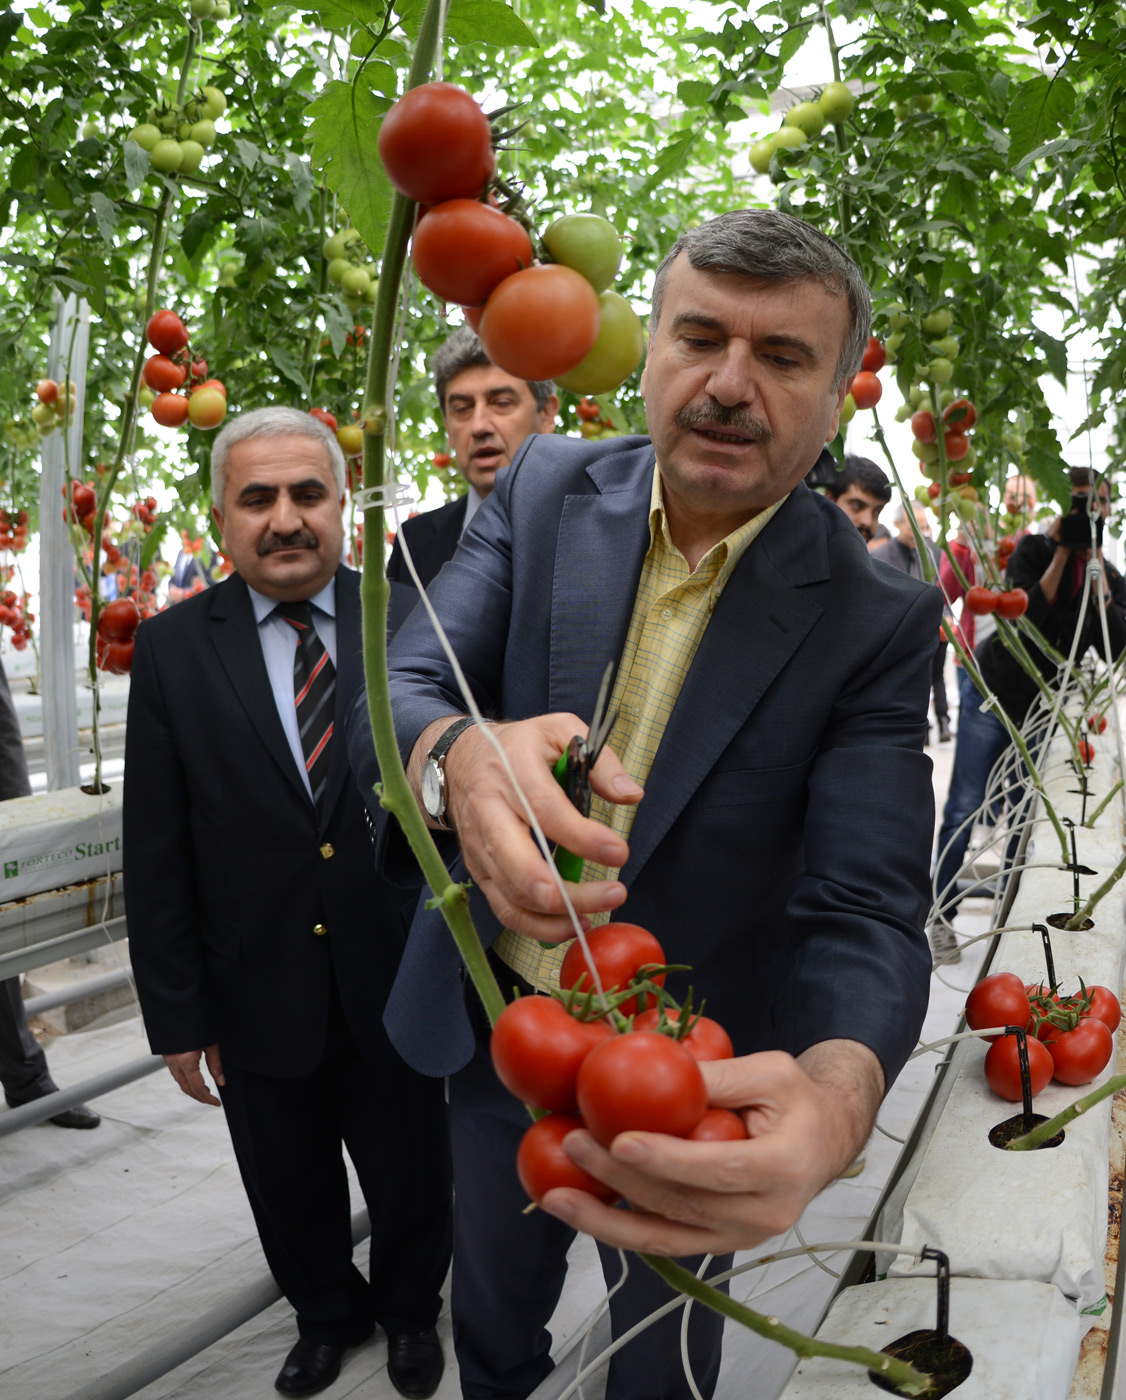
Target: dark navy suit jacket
783, 844
432, 537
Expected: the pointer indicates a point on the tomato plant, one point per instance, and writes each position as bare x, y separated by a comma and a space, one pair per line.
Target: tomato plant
436, 144
640, 1081
1002, 1067
540, 322
1078, 1055
704, 1040
463, 249
618, 952
537, 1047
542, 1164
998, 1000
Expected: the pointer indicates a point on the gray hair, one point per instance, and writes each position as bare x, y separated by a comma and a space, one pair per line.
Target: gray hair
276, 421
768, 246
462, 351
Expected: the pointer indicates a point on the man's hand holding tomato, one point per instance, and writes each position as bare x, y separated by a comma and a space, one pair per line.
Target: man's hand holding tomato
807, 1119
496, 839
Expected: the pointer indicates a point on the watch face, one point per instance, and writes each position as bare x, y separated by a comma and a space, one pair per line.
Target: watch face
433, 789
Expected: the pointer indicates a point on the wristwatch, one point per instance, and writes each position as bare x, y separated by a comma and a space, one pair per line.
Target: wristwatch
434, 772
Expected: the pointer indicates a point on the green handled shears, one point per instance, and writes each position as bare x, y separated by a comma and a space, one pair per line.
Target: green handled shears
572, 769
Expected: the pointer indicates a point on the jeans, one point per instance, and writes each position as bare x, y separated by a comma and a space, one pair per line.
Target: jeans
982, 739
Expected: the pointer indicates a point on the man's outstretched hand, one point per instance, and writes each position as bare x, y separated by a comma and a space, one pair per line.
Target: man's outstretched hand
496, 839
807, 1120
186, 1071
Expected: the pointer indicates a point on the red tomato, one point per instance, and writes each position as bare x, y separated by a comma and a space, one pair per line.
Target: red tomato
215, 384
84, 498
1086, 752
875, 356
118, 620
1002, 1067
170, 410
719, 1125
998, 1000
618, 952
934, 490
473, 316
956, 445
707, 1040
922, 425
322, 415
866, 389
537, 1047
463, 249
162, 374
1078, 1055
960, 415
1096, 722
47, 390
981, 600
540, 322
441, 460
166, 332
640, 1081
587, 411
435, 144
116, 657
1105, 1007
1012, 603
541, 1163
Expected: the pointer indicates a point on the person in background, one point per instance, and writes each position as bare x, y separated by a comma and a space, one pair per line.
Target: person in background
861, 490
488, 413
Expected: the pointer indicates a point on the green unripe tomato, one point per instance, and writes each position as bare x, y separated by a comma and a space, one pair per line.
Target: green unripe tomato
353, 303
892, 344
184, 130
168, 118
946, 398
922, 495
334, 247
203, 132
201, 9
931, 470
42, 414
915, 395
924, 101
222, 10
192, 153
788, 138
337, 269
372, 292
590, 245
836, 102
898, 319
146, 135
941, 370
759, 155
938, 322
214, 103
356, 281
807, 117
949, 346
615, 354
925, 451
167, 156
89, 131
903, 412
848, 410
969, 461
145, 396
902, 111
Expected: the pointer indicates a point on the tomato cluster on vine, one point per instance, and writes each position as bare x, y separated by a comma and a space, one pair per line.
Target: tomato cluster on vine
1009, 603
177, 381
610, 1052
55, 405
13, 531
15, 614
1070, 1038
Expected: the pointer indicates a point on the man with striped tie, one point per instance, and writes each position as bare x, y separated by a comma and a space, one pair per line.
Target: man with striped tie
262, 941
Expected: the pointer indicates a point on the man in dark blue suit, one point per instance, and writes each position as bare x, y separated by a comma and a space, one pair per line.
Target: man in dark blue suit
763, 661
488, 413
262, 940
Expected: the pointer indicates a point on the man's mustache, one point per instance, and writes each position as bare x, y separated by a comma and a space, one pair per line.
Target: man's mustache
300, 539
739, 420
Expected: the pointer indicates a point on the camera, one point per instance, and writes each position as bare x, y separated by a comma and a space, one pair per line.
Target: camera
1075, 526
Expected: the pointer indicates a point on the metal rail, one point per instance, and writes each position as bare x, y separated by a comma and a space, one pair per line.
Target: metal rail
78, 991
40, 1110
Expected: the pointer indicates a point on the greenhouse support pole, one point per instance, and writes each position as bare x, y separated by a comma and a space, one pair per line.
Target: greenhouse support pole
70, 339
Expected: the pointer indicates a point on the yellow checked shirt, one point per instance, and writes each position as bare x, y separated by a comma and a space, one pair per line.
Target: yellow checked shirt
670, 612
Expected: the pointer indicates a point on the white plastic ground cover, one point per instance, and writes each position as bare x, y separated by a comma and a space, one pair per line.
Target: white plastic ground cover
1042, 1215
1024, 1337
57, 838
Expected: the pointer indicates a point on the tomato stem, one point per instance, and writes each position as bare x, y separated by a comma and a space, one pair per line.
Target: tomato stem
1082, 915
903, 1375
1043, 1131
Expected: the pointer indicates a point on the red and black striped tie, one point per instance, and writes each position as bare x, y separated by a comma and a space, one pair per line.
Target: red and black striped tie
314, 688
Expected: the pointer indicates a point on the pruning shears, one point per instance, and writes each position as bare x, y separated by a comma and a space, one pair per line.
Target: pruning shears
572, 768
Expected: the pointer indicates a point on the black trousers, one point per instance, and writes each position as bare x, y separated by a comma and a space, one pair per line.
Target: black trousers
938, 683
288, 1136
23, 1065
509, 1268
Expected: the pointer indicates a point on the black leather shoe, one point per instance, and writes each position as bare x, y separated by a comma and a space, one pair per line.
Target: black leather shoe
77, 1117
415, 1363
309, 1367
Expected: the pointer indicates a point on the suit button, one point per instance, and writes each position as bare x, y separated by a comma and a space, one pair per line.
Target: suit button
327, 852
320, 930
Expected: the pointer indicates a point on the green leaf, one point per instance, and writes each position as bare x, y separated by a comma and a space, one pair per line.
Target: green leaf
339, 325
194, 232
1039, 109
1055, 352
488, 22
672, 158
693, 93
302, 178
286, 362
105, 212
344, 132
150, 544
136, 165
350, 14
10, 22
249, 154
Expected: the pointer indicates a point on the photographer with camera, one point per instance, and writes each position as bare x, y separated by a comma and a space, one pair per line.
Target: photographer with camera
1052, 569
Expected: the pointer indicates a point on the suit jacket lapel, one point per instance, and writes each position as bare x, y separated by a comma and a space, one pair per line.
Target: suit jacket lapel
600, 547
759, 621
235, 635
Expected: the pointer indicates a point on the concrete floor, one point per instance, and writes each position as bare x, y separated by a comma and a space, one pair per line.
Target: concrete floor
112, 1239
